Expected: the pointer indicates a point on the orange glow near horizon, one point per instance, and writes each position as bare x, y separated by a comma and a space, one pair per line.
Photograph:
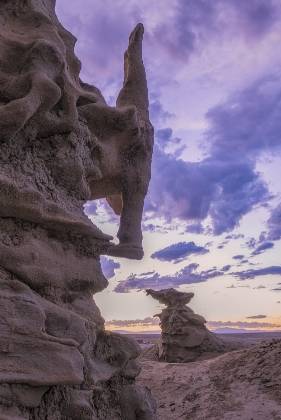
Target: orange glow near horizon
132, 327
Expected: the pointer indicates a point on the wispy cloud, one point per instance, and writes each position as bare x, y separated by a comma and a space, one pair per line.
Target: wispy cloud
188, 275
252, 273
244, 324
257, 317
238, 257
179, 251
263, 247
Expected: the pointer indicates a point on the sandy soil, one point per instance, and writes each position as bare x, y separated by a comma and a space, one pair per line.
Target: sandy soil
243, 384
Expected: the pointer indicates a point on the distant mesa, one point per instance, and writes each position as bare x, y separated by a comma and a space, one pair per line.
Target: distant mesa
184, 336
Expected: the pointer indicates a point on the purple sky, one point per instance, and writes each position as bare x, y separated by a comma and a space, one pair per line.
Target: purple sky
214, 73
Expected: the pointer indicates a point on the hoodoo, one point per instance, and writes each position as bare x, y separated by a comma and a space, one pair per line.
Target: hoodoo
184, 336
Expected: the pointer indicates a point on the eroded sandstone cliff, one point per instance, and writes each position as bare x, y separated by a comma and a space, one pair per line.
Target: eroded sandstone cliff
60, 145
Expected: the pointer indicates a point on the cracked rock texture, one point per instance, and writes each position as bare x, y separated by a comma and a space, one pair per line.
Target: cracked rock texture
61, 145
184, 336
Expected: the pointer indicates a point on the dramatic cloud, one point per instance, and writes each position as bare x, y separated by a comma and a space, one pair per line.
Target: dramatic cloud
252, 273
256, 17
180, 30
179, 251
108, 267
263, 247
225, 186
249, 122
188, 275
198, 22
223, 189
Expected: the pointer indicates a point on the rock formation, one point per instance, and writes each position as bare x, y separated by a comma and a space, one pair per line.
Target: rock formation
184, 336
61, 145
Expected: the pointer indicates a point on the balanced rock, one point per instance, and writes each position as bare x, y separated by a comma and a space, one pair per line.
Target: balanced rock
61, 145
184, 336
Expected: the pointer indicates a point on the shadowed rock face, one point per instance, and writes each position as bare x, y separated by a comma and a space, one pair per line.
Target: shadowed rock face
60, 145
184, 337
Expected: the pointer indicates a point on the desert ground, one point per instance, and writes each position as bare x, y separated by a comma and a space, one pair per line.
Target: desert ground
243, 383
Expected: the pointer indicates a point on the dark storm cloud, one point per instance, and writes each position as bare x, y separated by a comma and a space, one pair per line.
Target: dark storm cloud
188, 275
108, 267
252, 273
179, 251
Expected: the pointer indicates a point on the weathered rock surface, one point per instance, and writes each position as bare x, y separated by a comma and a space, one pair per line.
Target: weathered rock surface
243, 384
184, 336
60, 145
